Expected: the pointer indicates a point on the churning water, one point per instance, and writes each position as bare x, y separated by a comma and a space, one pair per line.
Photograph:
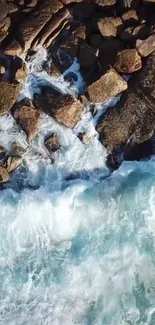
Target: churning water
77, 245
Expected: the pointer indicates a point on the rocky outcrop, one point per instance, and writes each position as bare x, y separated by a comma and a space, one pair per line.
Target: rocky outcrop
109, 85
133, 118
9, 93
63, 108
128, 61
27, 117
52, 143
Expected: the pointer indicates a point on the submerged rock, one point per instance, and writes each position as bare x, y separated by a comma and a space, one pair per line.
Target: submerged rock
108, 86
9, 93
52, 143
27, 117
63, 108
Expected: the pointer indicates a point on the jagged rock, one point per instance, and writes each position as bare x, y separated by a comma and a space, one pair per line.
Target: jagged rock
130, 18
12, 163
110, 26
4, 176
128, 61
147, 46
105, 3
3, 10
51, 28
30, 28
9, 93
16, 150
109, 85
63, 108
22, 72
27, 117
80, 32
131, 34
52, 143
12, 7
133, 119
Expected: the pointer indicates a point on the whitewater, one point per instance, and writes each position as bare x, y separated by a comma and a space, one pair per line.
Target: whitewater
77, 242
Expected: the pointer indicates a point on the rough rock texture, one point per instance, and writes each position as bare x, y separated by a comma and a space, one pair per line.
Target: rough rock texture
8, 95
4, 176
52, 143
128, 61
105, 3
12, 163
134, 116
27, 117
66, 2
130, 18
63, 108
110, 26
30, 28
108, 86
147, 46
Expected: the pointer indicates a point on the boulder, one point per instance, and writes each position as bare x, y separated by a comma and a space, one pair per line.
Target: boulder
12, 163
9, 93
31, 26
4, 176
128, 61
52, 143
109, 85
147, 46
133, 118
110, 26
27, 117
63, 108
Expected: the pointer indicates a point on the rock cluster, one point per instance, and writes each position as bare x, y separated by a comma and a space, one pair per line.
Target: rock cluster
109, 38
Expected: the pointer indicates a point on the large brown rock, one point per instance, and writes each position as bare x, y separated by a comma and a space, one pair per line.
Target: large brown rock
31, 26
4, 176
128, 61
52, 143
27, 117
110, 26
63, 108
133, 119
9, 93
147, 46
109, 85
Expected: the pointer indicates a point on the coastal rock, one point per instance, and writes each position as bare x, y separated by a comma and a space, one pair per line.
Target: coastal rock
52, 143
110, 26
3, 10
80, 32
130, 18
30, 28
27, 117
133, 119
147, 46
12, 163
109, 85
86, 55
63, 108
83, 9
67, 2
105, 3
128, 61
108, 52
9, 93
131, 34
4, 176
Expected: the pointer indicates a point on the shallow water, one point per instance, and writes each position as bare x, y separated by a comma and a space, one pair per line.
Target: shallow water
77, 244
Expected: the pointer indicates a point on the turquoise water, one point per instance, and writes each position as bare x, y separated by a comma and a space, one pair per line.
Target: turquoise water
82, 255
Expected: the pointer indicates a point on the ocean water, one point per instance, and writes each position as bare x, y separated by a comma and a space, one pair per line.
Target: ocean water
77, 244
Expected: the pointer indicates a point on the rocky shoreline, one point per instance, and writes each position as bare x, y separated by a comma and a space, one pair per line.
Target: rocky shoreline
110, 39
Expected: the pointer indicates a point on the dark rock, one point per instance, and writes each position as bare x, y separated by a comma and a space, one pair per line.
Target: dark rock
3, 10
133, 4
130, 18
131, 34
52, 143
87, 55
139, 151
96, 39
83, 9
63, 108
108, 52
